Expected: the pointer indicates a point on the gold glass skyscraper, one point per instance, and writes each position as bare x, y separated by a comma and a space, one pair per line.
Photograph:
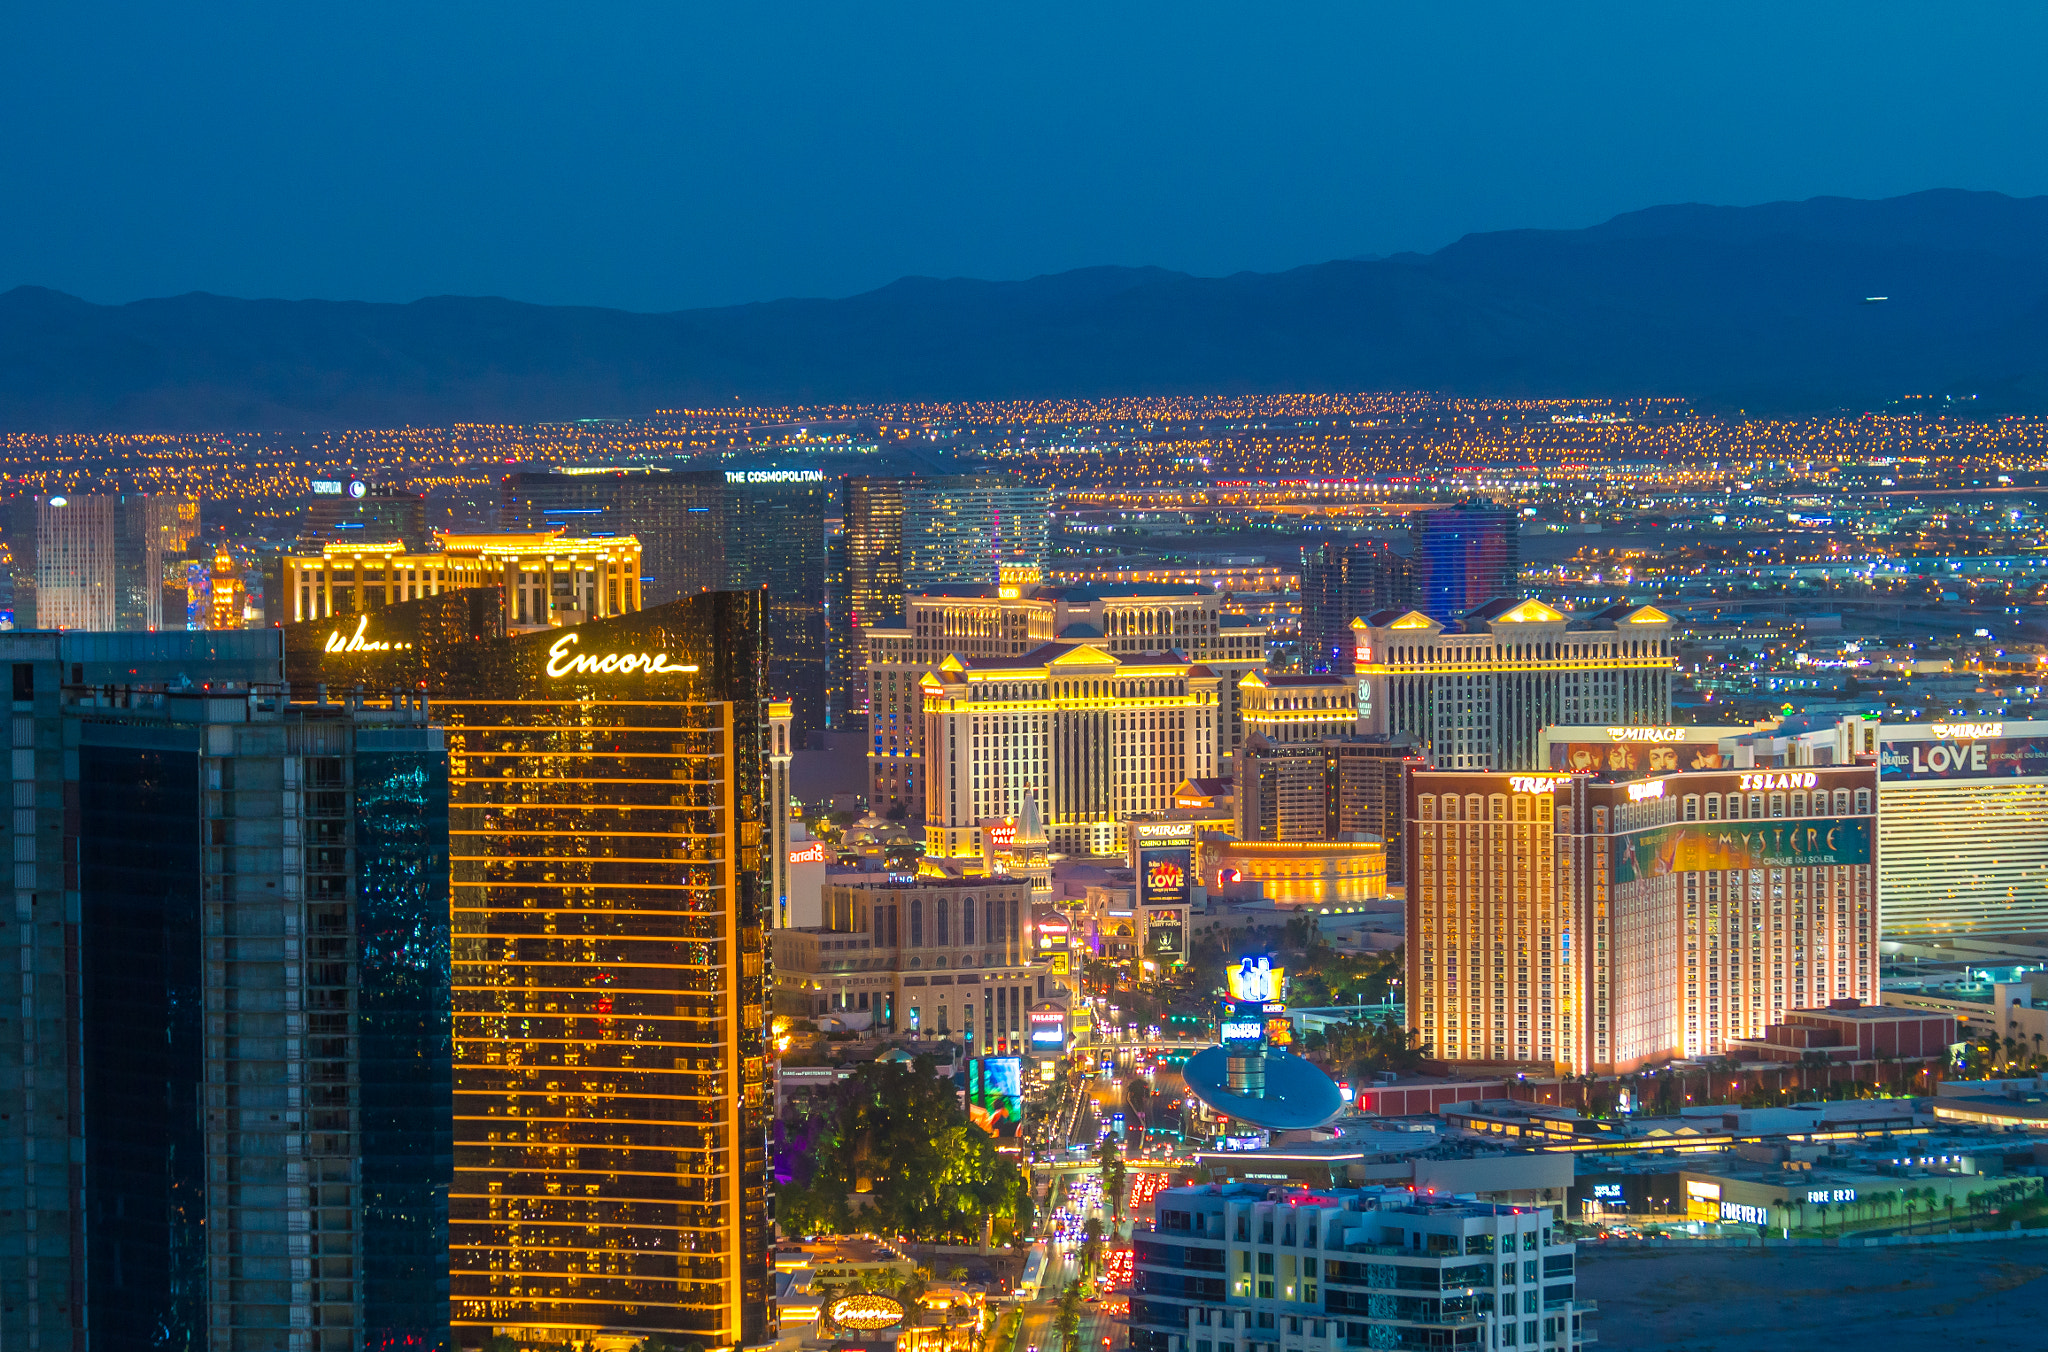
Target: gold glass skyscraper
607, 911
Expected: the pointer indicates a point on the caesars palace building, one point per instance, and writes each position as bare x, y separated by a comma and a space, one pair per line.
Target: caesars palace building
608, 911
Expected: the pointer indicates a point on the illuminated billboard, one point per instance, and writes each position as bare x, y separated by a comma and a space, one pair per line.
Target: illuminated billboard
1966, 752
1048, 1030
1165, 937
1255, 980
1635, 757
1696, 847
995, 1095
1163, 874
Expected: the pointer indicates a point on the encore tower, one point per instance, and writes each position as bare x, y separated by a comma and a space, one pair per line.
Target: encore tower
607, 915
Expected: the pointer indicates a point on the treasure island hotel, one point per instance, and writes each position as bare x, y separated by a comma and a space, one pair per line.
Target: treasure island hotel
607, 913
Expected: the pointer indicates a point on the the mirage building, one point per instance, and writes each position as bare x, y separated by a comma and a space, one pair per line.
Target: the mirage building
608, 908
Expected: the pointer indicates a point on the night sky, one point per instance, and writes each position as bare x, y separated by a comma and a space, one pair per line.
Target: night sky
661, 156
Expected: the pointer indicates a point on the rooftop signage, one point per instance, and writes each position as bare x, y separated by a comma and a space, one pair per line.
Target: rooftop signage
1646, 734
359, 642
562, 662
1534, 784
775, 476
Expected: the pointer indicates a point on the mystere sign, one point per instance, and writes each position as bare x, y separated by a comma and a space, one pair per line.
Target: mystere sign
1695, 847
1967, 751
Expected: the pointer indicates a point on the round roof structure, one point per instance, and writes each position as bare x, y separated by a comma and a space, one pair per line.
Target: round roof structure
1298, 1094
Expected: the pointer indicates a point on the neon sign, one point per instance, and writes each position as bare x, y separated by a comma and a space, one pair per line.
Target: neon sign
1779, 781
562, 662
1646, 734
1530, 784
817, 852
1638, 792
775, 476
357, 643
1969, 731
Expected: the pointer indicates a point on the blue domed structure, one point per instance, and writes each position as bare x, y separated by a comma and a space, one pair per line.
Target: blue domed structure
1276, 1090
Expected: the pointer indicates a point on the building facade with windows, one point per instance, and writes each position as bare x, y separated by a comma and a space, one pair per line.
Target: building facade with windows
1479, 699
1963, 821
937, 956
548, 579
1464, 557
1017, 616
678, 517
1340, 581
1604, 926
609, 909
1254, 1268
1340, 788
1093, 737
263, 883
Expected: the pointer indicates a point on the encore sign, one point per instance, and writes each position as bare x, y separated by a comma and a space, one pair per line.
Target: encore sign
562, 662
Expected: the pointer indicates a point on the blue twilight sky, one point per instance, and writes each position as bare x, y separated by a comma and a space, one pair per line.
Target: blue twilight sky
666, 155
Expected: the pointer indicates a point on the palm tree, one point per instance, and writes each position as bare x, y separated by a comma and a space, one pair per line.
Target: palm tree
1950, 1202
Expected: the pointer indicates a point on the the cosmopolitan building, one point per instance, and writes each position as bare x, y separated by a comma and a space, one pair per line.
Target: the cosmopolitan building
1603, 926
1963, 820
1478, 697
1464, 557
1090, 736
1254, 1268
608, 914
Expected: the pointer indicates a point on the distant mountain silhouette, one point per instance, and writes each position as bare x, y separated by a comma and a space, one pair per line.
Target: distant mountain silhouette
1752, 307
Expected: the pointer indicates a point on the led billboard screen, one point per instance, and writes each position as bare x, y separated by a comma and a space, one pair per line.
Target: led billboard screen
1163, 873
1694, 847
995, 1094
1927, 760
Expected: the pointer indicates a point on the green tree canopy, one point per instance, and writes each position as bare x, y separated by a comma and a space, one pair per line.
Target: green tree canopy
896, 1153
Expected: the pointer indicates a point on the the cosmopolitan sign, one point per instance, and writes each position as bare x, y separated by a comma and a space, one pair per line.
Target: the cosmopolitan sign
563, 662
775, 476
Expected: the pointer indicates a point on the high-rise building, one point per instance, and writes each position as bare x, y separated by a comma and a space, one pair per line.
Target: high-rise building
907, 534
609, 909
678, 516
1286, 709
1340, 581
151, 532
1093, 737
961, 529
1342, 1267
939, 956
1465, 556
350, 511
1016, 616
546, 579
1337, 789
1963, 826
76, 583
775, 543
1479, 700
868, 589
264, 883
1607, 925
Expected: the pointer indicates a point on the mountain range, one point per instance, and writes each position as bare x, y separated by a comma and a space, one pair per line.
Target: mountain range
1772, 308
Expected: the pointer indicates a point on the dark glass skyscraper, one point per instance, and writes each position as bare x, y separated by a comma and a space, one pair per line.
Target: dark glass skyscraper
677, 515
1342, 581
775, 543
1465, 555
246, 1135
